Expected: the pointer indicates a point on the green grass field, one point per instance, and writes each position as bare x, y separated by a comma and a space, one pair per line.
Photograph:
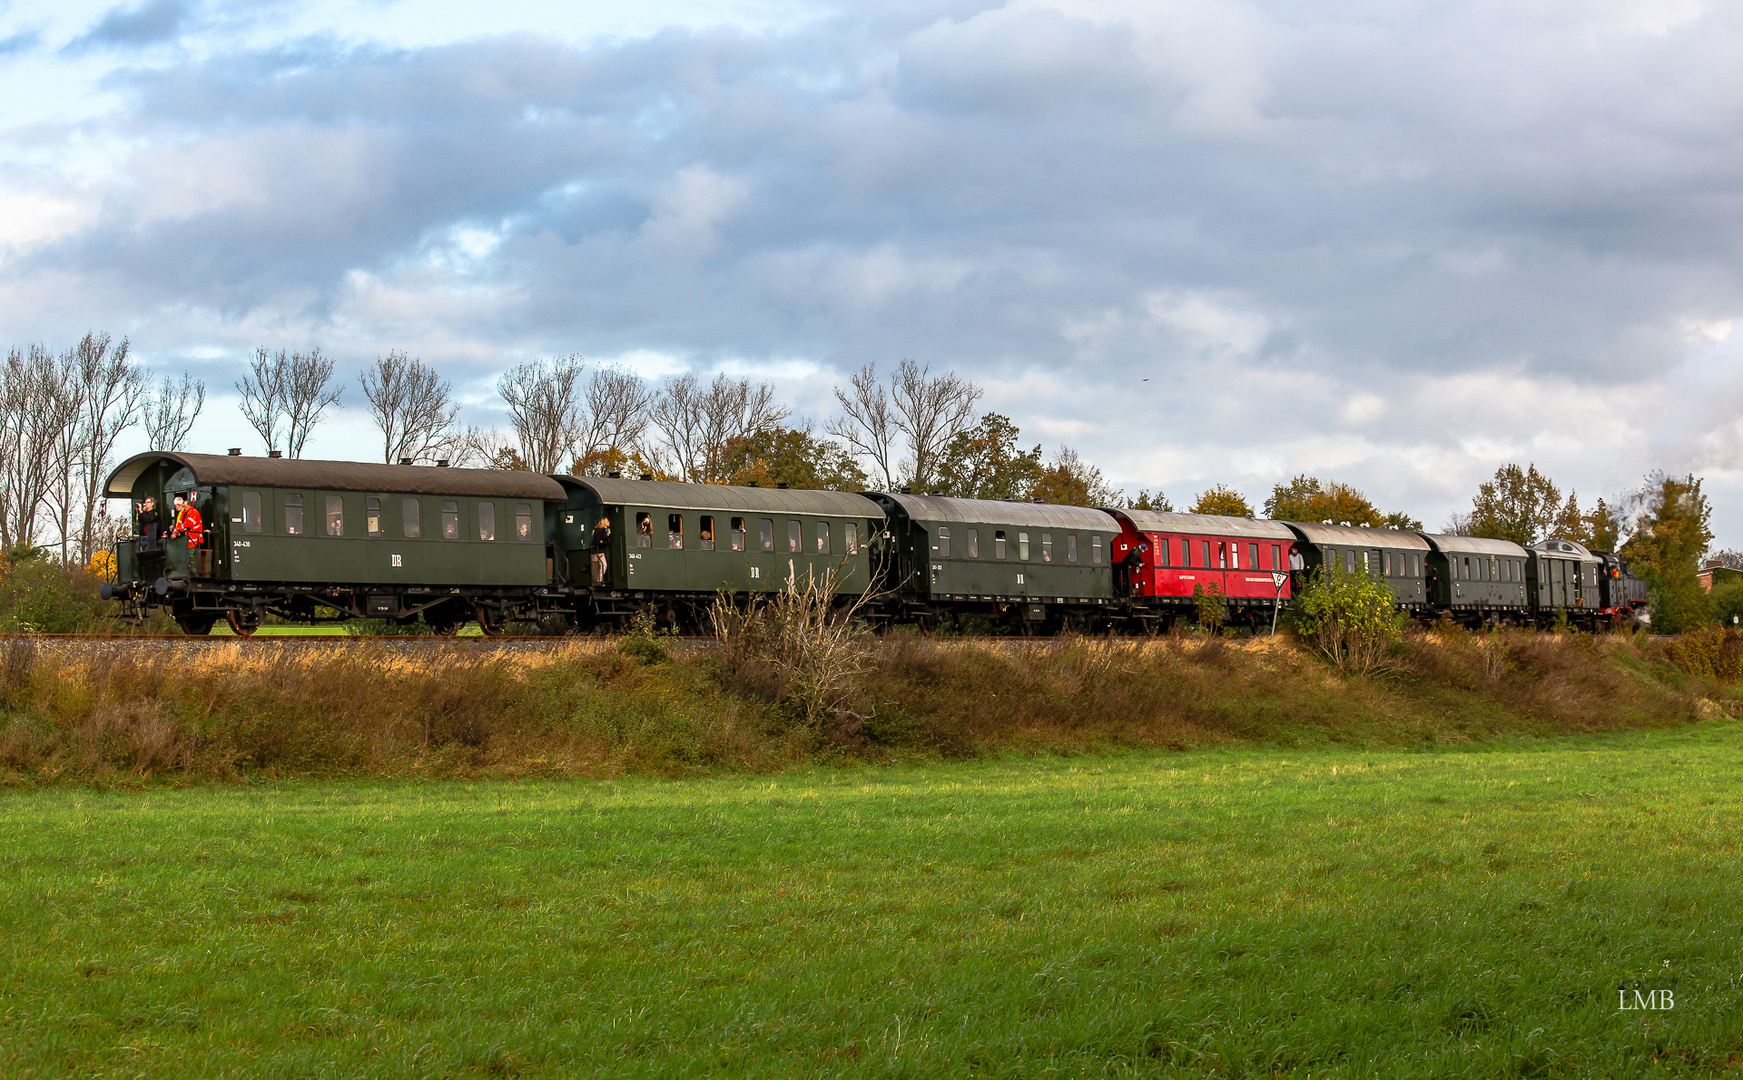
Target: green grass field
1223, 913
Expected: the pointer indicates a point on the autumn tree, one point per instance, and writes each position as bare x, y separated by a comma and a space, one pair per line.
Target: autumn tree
1671, 531
1604, 527
1330, 502
1222, 501
794, 457
988, 462
1146, 501
1520, 505
1071, 481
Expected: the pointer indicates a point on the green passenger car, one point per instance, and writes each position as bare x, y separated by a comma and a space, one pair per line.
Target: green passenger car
303, 538
683, 542
1400, 559
1477, 578
1033, 564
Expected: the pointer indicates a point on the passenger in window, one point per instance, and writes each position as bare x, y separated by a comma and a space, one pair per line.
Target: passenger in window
737, 532
601, 544
705, 537
523, 521
335, 515
853, 538
675, 530
644, 530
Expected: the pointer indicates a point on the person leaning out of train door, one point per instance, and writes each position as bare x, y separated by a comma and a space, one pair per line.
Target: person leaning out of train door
148, 525
1297, 571
601, 540
188, 521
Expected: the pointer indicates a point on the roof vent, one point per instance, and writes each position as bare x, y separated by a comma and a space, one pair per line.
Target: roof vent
647, 476
753, 483
441, 463
271, 453
614, 475
1040, 500
405, 461
907, 491
782, 485
235, 451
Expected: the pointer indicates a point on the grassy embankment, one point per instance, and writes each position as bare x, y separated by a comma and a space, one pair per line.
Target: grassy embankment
401, 708
1317, 912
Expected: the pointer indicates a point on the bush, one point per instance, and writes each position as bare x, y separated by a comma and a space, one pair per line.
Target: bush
801, 647
1212, 606
41, 596
1350, 619
1714, 653
1727, 603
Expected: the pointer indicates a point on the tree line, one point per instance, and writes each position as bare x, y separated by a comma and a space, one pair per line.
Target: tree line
61, 415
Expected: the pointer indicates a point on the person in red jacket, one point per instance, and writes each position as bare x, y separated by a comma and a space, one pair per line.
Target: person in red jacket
188, 521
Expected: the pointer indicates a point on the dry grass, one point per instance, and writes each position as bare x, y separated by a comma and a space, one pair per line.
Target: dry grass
596, 709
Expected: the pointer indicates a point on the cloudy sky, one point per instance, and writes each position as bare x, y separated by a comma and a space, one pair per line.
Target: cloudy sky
1390, 242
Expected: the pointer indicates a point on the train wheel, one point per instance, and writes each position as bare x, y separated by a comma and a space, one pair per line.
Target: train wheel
490, 620
196, 625
243, 623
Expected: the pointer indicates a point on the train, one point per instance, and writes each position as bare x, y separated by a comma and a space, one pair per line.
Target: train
312, 541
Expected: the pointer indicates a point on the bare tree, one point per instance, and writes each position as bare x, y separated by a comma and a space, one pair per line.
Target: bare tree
928, 411
284, 395
169, 414
111, 397
411, 406
618, 403
32, 415
544, 402
308, 390
868, 425
262, 391
480, 448
697, 422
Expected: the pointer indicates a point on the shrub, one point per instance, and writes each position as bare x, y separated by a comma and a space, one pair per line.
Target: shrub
645, 642
1727, 602
801, 646
41, 595
1213, 607
1714, 653
1350, 619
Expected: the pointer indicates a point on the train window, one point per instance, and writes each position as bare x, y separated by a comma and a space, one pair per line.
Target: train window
999, 544
1160, 558
450, 520
486, 521
1386, 563
1350, 560
795, 537
293, 514
705, 535
1494, 569
1022, 547
767, 529
1095, 550
251, 511
1206, 552
644, 530
372, 515
974, 543
1252, 556
851, 537
1046, 547
737, 533
523, 521
412, 518
335, 515
1276, 556
1071, 548
823, 538
675, 531
943, 542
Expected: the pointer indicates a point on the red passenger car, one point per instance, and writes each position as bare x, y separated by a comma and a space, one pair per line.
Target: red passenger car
1159, 559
